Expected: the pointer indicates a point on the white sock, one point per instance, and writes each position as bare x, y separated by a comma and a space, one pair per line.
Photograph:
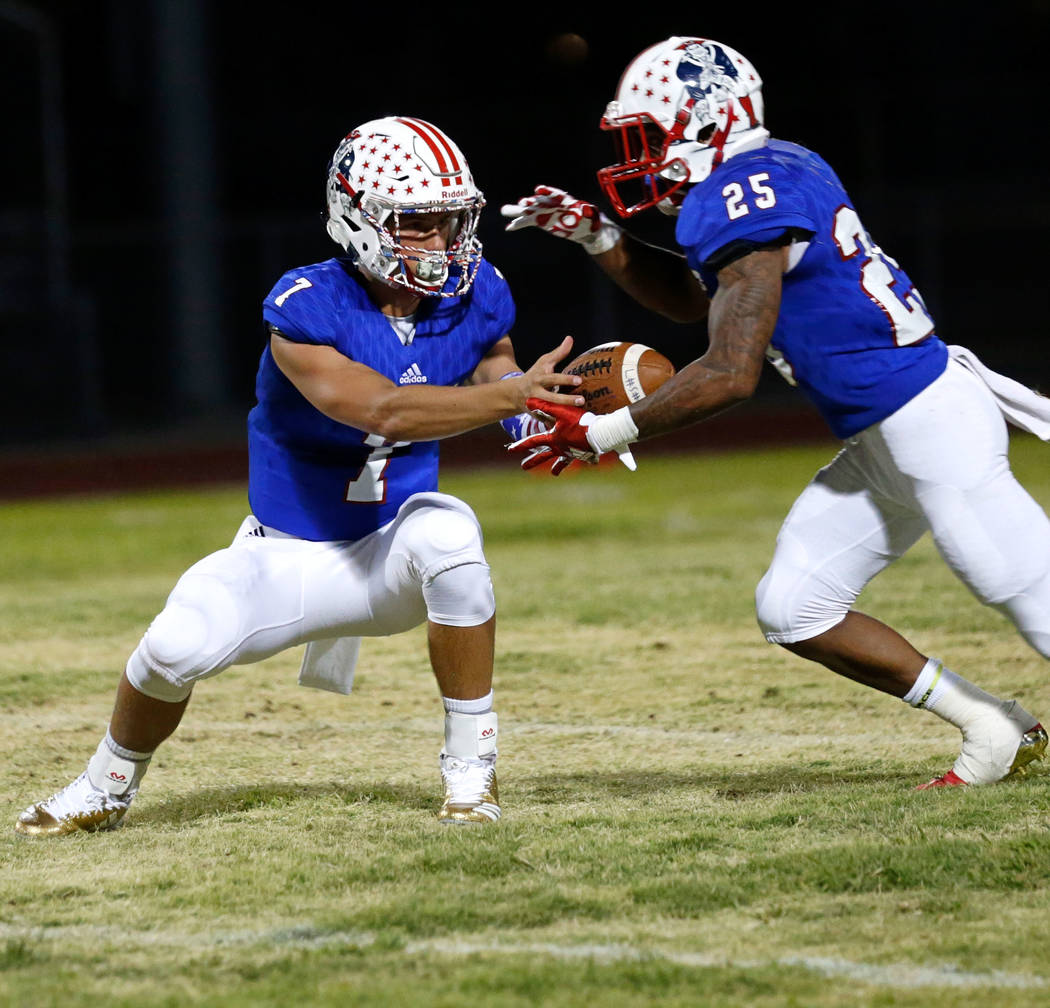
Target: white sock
926, 684
949, 696
480, 706
130, 754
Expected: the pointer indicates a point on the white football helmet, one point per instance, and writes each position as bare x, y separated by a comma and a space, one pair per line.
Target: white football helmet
387, 169
682, 107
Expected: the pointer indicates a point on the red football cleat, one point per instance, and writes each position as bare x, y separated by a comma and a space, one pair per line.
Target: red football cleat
950, 779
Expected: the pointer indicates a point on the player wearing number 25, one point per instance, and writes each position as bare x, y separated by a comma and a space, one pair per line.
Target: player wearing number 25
778, 262
373, 357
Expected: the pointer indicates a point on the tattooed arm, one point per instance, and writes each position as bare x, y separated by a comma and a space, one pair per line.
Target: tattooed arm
740, 324
741, 320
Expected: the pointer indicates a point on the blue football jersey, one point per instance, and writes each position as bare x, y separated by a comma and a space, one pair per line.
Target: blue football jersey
319, 479
852, 332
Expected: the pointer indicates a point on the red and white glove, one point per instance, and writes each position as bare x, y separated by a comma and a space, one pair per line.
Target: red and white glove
558, 213
576, 434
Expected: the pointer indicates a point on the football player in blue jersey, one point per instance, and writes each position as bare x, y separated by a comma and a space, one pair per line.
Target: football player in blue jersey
776, 259
373, 357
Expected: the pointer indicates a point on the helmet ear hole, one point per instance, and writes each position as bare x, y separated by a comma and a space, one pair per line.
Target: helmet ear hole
338, 232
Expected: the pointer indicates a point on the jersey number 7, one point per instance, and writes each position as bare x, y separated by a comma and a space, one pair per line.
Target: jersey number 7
366, 485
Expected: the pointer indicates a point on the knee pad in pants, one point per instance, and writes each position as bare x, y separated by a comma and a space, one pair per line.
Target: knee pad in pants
793, 604
442, 539
437, 532
189, 640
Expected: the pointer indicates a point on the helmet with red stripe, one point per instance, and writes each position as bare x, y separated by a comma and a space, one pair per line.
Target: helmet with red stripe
682, 107
388, 173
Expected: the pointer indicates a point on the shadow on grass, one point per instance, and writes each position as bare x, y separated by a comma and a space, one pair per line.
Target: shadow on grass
732, 786
549, 789
220, 801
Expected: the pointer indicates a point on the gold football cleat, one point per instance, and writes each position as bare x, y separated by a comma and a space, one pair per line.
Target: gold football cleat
78, 806
1032, 748
471, 792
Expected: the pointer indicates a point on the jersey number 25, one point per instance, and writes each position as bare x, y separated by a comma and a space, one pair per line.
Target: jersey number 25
905, 310
735, 196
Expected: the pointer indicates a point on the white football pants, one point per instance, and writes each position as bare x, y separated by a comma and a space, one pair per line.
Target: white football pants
939, 464
268, 592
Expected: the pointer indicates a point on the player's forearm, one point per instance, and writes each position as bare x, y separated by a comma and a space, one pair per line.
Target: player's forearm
427, 413
656, 279
699, 391
743, 316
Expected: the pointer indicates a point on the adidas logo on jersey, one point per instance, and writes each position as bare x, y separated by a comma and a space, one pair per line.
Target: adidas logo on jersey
413, 376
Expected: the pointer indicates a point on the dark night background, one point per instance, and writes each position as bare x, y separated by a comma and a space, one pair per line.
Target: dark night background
164, 163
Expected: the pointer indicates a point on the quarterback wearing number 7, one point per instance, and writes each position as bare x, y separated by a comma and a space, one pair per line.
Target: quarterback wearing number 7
774, 256
373, 357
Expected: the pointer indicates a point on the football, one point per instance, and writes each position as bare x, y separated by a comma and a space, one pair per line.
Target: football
618, 374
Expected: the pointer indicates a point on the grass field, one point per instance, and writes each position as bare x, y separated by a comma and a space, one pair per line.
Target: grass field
691, 816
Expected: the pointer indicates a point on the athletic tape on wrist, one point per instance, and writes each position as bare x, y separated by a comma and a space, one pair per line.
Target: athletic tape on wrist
612, 431
603, 240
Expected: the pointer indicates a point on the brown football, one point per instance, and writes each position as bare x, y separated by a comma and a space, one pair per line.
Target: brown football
617, 374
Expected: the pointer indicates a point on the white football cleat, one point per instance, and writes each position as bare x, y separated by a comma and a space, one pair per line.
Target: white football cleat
471, 794
78, 806
999, 746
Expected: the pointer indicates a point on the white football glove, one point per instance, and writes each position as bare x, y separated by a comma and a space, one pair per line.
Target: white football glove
558, 213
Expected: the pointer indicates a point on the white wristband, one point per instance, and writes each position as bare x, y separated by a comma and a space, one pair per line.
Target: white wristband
612, 431
602, 240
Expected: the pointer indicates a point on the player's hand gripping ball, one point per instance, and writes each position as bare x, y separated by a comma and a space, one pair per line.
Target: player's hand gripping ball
614, 375
618, 374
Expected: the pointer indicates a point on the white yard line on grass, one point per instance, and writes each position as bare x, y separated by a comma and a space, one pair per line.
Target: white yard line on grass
897, 975
890, 975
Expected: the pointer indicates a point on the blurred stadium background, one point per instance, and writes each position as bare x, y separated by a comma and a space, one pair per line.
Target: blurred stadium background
165, 160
